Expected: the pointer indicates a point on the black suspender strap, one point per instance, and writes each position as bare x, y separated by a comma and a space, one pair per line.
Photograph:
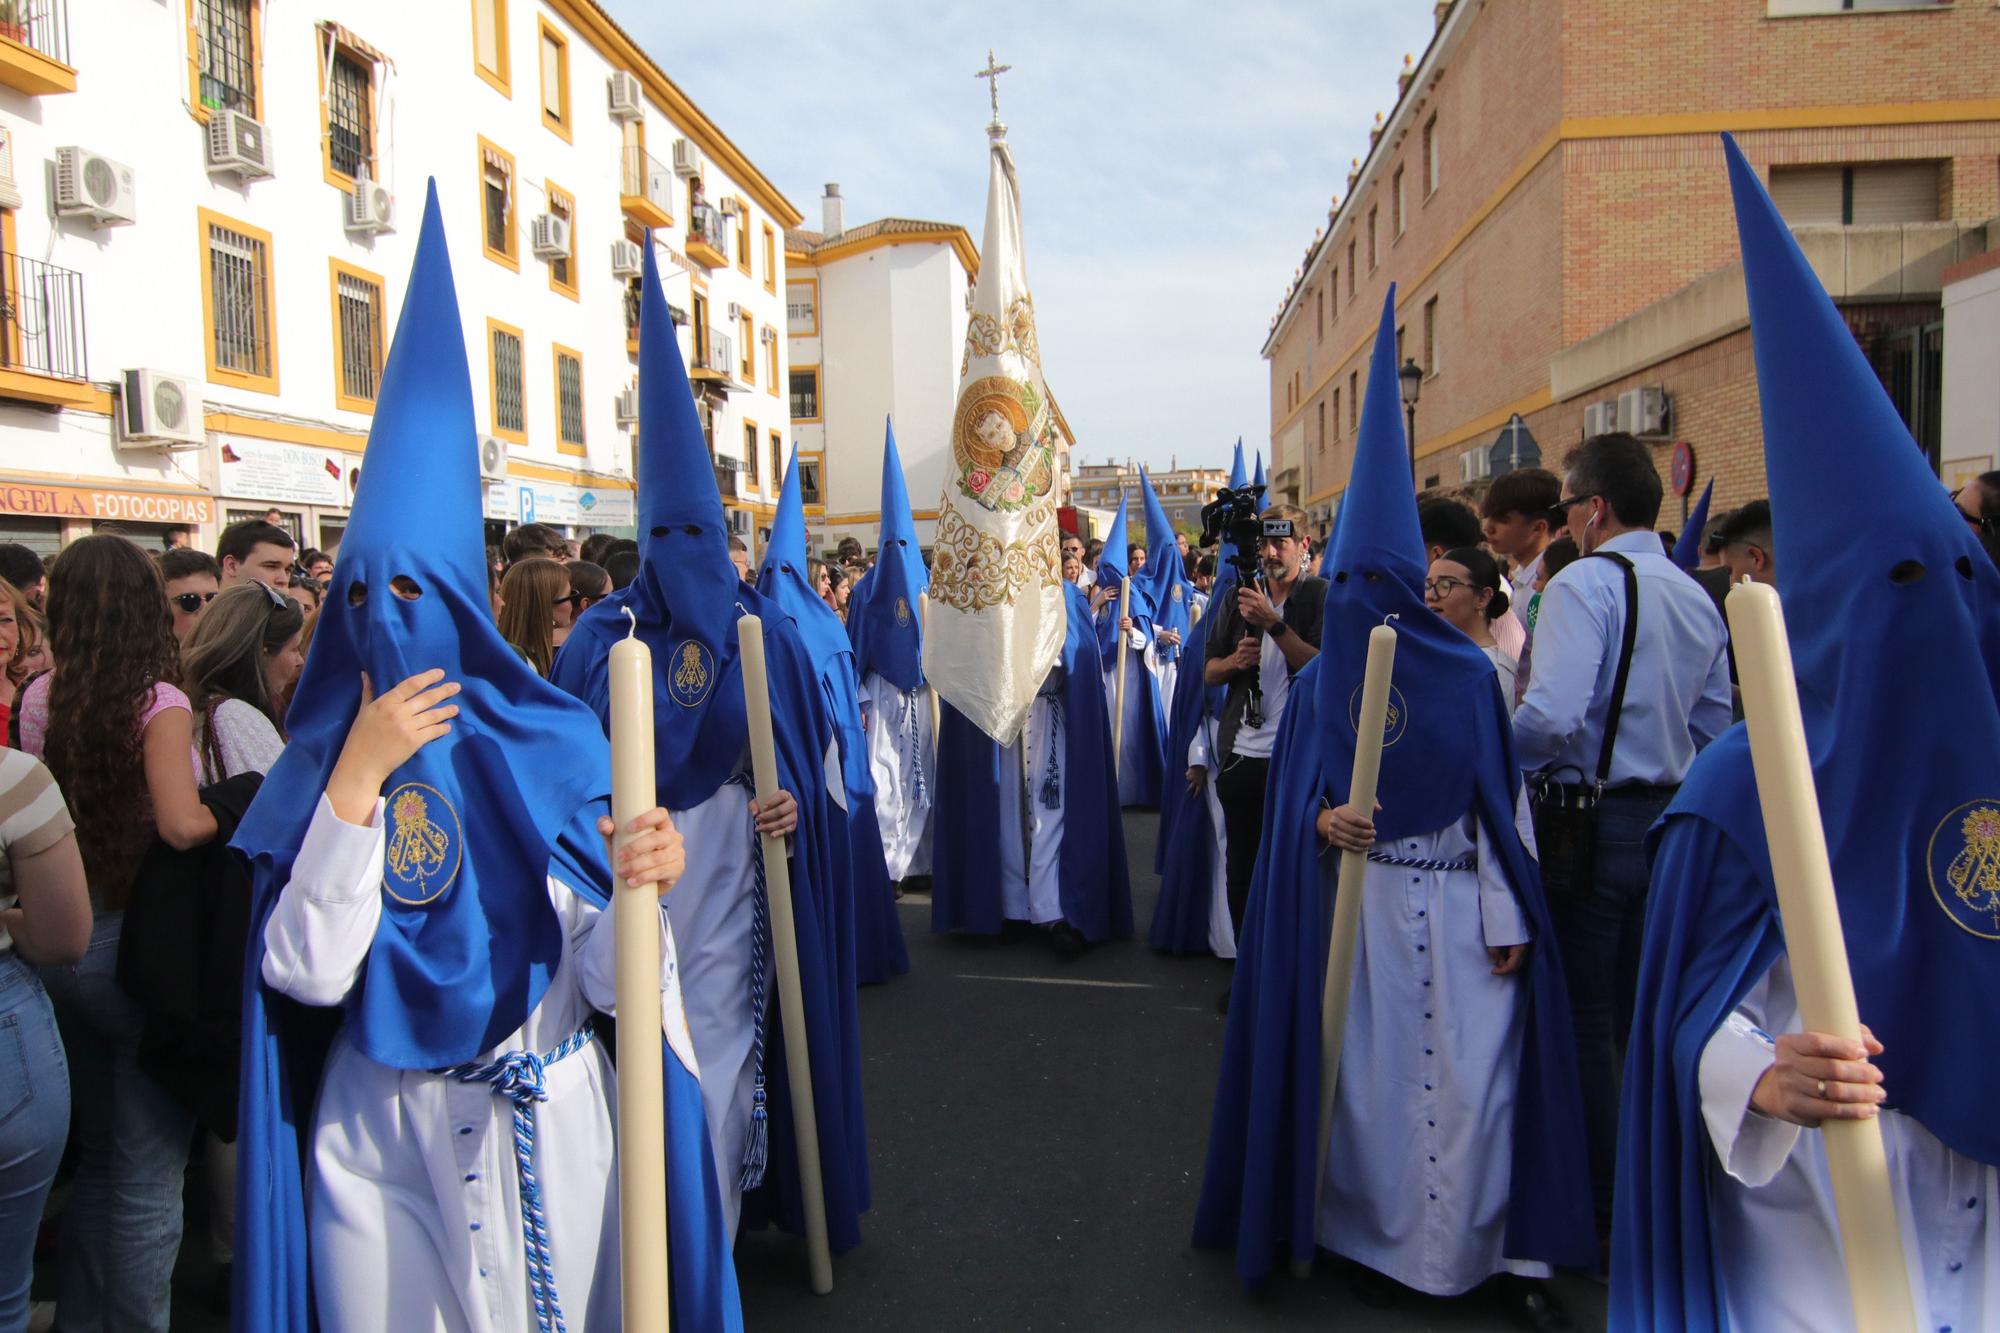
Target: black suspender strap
1624, 662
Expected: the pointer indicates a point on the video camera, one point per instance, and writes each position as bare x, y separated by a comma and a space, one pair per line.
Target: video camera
1234, 517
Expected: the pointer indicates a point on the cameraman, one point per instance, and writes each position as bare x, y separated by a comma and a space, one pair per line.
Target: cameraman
1263, 635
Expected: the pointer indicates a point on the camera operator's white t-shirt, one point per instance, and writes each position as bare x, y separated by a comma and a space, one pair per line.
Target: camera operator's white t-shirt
1275, 679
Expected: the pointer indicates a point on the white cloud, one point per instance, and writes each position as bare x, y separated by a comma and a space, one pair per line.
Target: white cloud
1175, 159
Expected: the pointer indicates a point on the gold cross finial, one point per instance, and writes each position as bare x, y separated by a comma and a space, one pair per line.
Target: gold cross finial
992, 74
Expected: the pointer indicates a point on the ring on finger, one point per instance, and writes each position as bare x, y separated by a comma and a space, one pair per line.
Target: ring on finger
1822, 1087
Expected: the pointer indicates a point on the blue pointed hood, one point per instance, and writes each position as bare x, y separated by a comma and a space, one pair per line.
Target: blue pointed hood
1165, 576
782, 577
1257, 480
1239, 475
467, 940
1916, 861
1375, 568
882, 613
1113, 564
1687, 549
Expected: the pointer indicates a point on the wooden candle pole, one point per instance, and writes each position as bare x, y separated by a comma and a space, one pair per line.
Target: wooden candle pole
1877, 1277
1118, 684
785, 949
1368, 729
635, 916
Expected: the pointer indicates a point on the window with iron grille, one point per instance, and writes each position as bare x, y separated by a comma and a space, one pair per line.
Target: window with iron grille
805, 395
222, 44
750, 452
360, 336
510, 412
350, 137
777, 458
239, 278
569, 398
563, 207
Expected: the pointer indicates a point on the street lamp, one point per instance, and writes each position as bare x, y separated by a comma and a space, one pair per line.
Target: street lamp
1412, 376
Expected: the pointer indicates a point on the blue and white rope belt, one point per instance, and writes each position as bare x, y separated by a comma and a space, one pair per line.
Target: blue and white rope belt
756, 1144
517, 1076
910, 731
1419, 863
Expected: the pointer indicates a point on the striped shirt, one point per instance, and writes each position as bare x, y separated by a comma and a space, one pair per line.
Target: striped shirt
33, 819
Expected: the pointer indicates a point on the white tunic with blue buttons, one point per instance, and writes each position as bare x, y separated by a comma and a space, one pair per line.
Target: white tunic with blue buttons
414, 1202
1777, 1237
1419, 1157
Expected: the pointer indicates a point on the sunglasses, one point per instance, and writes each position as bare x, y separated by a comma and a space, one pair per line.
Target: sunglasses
1564, 506
191, 602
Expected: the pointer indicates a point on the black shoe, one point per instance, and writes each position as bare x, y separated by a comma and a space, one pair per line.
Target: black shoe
1534, 1305
1375, 1290
1222, 1003
1068, 939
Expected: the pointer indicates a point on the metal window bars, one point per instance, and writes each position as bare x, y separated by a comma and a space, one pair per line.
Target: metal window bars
239, 301
223, 46
360, 337
348, 96
509, 409
41, 319
569, 399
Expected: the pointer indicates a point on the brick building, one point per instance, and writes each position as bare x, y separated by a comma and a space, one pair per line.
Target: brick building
1182, 491
1549, 196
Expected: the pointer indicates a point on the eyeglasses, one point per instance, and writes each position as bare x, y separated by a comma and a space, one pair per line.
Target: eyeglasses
1444, 585
278, 600
1564, 506
191, 602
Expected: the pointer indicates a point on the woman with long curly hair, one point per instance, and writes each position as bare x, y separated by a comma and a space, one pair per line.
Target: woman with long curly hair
535, 601
117, 733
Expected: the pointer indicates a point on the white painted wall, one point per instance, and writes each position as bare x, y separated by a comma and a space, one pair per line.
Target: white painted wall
1971, 427
143, 282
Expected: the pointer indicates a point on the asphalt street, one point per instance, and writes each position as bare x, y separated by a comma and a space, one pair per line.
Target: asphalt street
1036, 1129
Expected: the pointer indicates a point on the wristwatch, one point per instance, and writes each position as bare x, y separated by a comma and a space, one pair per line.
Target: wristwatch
1279, 630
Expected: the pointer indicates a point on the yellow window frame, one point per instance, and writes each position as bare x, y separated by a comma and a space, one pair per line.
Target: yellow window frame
340, 179
520, 436
743, 238
753, 442
195, 108
335, 270
770, 259
557, 194
771, 383
511, 256
746, 329
575, 448
559, 124
217, 374
501, 76
819, 395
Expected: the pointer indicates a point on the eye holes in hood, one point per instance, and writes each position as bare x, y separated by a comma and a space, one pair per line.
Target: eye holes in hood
1905, 572
357, 593
406, 587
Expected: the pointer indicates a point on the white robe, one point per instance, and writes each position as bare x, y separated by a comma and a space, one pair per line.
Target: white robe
1031, 857
414, 1202
902, 756
1777, 1237
1201, 754
1142, 656
1418, 1166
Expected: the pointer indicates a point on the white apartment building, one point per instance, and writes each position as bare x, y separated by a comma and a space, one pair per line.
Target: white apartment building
875, 317
1181, 491
209, 210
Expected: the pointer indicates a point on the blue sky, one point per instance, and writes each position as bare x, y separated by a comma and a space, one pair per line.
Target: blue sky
1174, 159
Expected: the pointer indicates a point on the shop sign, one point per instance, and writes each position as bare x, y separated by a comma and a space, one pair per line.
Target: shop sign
32, 500
290, 473
526, 500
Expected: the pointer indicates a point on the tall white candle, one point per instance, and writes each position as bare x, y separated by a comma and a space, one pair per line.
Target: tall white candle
642, 1158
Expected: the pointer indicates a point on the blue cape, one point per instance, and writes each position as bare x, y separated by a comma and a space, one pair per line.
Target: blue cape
882, 612
1687, 547
1186, 852
468, 940
1257, 1188
1096, 890
686, 602
1914, 859
1165, 574
879, 952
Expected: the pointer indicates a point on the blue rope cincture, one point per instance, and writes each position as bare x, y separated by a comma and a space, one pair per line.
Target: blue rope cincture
1418, 863
757, 1145
911, 731
517, 1076
1052, 772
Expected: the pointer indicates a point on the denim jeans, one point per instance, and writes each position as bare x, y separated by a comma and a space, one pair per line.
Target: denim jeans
34, 1125
1599, 928
121, 1222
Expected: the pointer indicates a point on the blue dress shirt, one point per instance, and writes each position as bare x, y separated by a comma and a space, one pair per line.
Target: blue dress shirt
1677, 697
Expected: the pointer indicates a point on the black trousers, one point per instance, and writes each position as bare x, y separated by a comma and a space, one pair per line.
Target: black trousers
1240, 789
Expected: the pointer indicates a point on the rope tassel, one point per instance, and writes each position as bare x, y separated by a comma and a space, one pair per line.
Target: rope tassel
757, 1145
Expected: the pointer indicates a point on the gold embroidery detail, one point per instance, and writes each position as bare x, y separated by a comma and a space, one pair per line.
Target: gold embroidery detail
972, 571
422, 854
1970, 894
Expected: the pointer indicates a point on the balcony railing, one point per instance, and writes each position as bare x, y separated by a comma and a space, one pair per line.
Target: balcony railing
40, 25
41, 319
645, 187
708, 236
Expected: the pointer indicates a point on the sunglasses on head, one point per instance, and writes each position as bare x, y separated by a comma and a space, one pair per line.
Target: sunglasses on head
191, 602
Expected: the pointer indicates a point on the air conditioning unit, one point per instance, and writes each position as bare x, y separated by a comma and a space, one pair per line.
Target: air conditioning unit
739, 522
687, 159
492, 458
730, 208
1600, 418
628, 96
626, 413
156, 409
370, 208
95, 187
769, 335
1643, 411
10, 193
237, 143
1475, 465
549, 237
736, 310
627, 260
